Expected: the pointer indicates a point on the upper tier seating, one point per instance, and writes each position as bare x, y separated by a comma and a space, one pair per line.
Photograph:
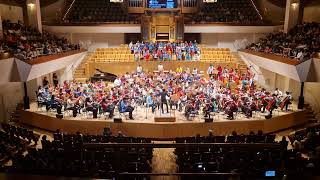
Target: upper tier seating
123, 54
120, 54
216, 55
96, 11
234, 11
27, 43
301, 42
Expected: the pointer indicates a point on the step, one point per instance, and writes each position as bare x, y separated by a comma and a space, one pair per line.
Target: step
83, 80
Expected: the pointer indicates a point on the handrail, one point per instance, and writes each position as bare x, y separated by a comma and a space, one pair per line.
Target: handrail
255, 7
48, 58
183, 145
65, 15
179, 174
274, 57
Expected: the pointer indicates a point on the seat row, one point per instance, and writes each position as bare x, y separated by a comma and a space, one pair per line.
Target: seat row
215, 49
113, 57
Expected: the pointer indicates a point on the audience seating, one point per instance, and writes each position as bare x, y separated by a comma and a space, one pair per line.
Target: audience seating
72, 155
234, 11
14, 140
247, 160
27, 43
120, 54
123, 54
97, 11
216, 55
66, 155
307, 139
301, 42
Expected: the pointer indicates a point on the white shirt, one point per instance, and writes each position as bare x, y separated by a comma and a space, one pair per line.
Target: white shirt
210, 70
117, 82
300, 55
278, 92
139, 69
160, 67
195, 71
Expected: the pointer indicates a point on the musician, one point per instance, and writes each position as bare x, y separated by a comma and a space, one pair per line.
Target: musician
90, 106
272, 104
210, 70
164, 100
139, 69
70, 105
286, 101
174, 101
191, 108
107, 106
45, 82
126, 107
40, 99
160, 67
150, 102
194, 71
55, 80
117, 82
54, 103
231, 107
277, 92
210, 106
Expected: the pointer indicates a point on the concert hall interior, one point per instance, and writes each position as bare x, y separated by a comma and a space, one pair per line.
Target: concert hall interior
159, 89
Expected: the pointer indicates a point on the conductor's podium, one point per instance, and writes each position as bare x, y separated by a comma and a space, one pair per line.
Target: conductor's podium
165, 117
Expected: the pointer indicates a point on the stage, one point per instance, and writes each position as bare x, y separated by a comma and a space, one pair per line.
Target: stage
145, 126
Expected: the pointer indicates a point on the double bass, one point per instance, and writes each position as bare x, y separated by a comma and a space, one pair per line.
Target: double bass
231, 107
284, 102
271, 104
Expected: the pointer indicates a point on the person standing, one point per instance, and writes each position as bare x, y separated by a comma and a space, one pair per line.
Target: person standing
45, 82
160, 68
139, 69
55, 80
210, 70
163, 98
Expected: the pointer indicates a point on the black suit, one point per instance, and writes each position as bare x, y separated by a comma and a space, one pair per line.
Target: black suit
163, 97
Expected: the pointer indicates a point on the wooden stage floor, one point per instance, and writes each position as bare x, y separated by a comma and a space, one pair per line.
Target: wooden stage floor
147, 127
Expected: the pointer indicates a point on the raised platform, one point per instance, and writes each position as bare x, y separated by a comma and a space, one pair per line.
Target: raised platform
147, 127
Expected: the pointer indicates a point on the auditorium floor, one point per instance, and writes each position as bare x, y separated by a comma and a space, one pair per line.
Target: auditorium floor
144, 115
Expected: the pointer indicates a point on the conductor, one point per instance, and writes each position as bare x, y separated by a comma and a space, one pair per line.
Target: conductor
163, 97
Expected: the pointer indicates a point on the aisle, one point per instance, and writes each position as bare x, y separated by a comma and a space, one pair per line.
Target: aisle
163, 161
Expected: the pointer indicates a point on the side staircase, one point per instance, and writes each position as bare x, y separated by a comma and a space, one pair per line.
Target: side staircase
80, 74
242, 66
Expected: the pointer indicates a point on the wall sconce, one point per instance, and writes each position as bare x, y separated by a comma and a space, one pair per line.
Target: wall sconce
295, 5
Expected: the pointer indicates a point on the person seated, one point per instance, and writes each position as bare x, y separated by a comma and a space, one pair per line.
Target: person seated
53, 103
40, 99
191, 108
210, 106
107, 106
126, 107
71, 104
150, 102
89, 106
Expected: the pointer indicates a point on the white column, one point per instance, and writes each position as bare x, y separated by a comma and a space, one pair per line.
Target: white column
292, 14
34, 14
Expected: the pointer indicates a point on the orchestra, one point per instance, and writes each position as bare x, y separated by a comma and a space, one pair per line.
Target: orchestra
225, 90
